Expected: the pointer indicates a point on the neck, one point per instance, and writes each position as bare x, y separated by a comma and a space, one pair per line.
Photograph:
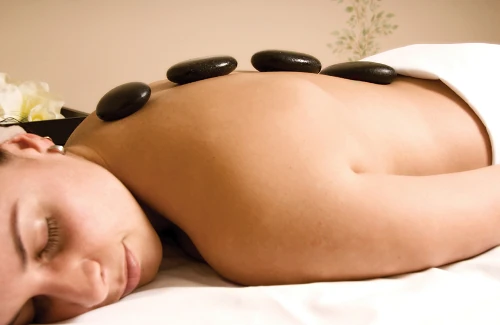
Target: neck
83, 152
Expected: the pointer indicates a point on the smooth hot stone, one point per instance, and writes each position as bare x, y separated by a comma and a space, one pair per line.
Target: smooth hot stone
122, 101
275, 60
201, 68
372, 72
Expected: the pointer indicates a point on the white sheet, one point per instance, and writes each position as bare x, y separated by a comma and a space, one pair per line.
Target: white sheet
187, 292
8, 132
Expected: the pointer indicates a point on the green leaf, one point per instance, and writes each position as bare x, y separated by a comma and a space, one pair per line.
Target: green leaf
349, 9
389, 15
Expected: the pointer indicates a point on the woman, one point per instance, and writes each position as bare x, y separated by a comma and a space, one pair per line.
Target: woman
276, 178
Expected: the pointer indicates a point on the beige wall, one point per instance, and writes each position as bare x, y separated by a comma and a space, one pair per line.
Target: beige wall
83, 48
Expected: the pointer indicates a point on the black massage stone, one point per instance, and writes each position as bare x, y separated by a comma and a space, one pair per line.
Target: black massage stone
276, 60
372, 72
122, 101
201, 68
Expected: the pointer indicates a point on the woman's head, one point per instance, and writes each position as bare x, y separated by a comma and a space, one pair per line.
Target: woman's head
66, 226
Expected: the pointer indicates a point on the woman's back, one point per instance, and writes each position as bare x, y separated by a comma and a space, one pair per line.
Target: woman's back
257, 168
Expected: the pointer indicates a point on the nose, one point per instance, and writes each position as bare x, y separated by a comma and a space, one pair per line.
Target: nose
80, 282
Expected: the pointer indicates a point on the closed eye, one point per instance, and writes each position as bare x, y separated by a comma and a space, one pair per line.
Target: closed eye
53, 236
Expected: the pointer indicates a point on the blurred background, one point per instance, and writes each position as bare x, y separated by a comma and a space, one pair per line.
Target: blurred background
83, 48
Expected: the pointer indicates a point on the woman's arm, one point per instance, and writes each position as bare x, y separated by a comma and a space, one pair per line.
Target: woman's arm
408, 223
378, 225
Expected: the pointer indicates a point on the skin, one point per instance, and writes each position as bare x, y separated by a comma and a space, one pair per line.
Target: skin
280, 178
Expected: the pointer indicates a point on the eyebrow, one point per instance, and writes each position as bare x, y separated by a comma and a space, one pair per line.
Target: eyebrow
16, 237
21, 251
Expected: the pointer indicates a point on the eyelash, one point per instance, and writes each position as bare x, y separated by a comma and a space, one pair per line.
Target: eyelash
53, 238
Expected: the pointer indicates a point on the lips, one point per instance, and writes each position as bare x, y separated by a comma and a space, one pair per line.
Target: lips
132, 272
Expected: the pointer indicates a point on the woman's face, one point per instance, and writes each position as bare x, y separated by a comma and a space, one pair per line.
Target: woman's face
66, 226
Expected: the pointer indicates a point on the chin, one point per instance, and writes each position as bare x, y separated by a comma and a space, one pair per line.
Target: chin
151, 266
147, 280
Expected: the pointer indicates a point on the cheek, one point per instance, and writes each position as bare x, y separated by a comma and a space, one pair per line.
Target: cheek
98, 210
96, 201
96, 220
95, 227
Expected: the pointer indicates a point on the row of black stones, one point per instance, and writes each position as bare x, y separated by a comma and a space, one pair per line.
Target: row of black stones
126, 99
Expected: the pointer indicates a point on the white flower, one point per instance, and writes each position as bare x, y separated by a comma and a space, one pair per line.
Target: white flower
28, 100
40, 113
11, 101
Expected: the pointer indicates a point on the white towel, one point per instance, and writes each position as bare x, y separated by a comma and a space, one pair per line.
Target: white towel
471, 70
